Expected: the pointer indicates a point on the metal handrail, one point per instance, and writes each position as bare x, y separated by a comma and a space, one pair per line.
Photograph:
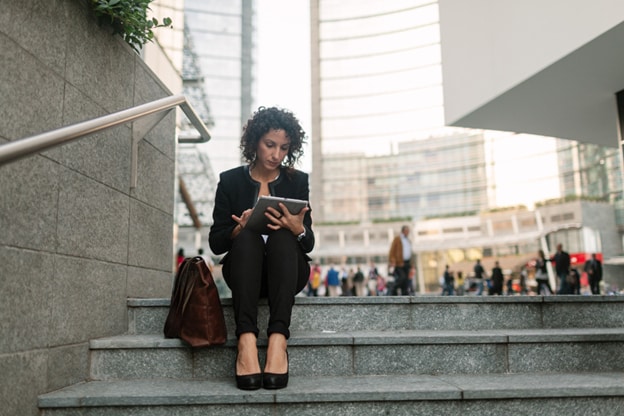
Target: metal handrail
21, 148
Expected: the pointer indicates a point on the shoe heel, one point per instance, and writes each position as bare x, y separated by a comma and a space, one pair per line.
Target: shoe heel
272, 381
249, 381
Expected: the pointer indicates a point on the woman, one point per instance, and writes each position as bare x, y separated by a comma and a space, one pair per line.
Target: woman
541, 274
274, 265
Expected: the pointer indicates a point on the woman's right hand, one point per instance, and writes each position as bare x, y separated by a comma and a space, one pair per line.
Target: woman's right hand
242, 221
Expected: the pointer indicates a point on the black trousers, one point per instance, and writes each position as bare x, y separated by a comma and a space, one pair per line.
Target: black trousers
541, 284
594, 284
401, 279
277, 270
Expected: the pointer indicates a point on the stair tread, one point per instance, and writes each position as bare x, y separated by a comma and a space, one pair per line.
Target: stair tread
338, 389
373, 337
424, 299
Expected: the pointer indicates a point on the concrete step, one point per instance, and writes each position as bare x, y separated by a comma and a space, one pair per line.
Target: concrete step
356, 353
390, 313
599, 393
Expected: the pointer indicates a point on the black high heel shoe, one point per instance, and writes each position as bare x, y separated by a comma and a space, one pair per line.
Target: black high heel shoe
274, 381
249, 381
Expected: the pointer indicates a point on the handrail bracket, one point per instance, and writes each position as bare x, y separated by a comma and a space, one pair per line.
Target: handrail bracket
140, 128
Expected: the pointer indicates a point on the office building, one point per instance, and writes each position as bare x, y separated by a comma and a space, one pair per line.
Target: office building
379, 111
218, 79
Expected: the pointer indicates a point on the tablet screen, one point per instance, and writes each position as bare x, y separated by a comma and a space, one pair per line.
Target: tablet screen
258, 221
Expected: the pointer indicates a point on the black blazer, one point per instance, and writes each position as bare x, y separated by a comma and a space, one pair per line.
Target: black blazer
237, 191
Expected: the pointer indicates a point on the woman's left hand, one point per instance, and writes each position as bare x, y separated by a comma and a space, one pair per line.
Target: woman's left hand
293, 222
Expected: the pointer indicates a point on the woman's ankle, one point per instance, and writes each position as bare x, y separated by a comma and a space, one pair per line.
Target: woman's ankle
247, 355
277, 358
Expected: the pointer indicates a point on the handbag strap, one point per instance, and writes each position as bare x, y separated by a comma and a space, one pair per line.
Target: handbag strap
183, 286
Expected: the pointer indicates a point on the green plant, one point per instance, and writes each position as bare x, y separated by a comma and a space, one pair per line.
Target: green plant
128, 18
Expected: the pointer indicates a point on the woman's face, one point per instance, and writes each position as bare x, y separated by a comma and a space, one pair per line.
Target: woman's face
272, 149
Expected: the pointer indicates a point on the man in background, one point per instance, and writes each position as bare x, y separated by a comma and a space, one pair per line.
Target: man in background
593, 268
479, 275
562, 267
399, 259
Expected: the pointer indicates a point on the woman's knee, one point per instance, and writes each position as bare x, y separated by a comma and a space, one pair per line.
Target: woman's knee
283, 241
247, 240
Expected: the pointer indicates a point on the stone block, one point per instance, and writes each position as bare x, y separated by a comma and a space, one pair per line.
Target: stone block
189, 410
144, 363
148, 283
595, 406
149, 86
27, 111
580, 312
26, 282
486, 315
162, 137
26, 20
536, 385
88, 298
105, 156
381, 407
28, 207
147, 320
67, 365
22, 381
98, 64
151, 237
566, 357
424, 359
321, 360
218, 361
155, 179
92, 219
345, 317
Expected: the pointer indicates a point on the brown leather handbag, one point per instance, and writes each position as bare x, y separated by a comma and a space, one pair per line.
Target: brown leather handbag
195, 313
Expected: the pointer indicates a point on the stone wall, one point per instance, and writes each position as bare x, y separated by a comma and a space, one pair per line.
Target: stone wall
75, 240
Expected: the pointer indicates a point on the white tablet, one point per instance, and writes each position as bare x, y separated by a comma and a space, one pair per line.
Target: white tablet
258, 221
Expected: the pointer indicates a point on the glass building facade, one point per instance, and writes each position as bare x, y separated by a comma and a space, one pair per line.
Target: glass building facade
381, 153
380, 72
380, 146
222, 34
442, 176
381, 150
217, 78
589, 170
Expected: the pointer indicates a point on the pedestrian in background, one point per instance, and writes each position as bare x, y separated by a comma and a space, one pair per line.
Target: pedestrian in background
449, 282
479, 275
399, 259
541, 275
372, 279
359, 285
497, 280
460, 283
333, 281
315, 280
593, 268
562, 267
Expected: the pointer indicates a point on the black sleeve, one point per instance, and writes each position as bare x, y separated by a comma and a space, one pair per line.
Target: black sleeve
223, 224
303, 192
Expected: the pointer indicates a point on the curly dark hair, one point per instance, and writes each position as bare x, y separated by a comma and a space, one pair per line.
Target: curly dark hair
265, 120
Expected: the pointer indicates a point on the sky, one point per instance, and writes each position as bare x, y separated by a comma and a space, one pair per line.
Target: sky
283, 60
